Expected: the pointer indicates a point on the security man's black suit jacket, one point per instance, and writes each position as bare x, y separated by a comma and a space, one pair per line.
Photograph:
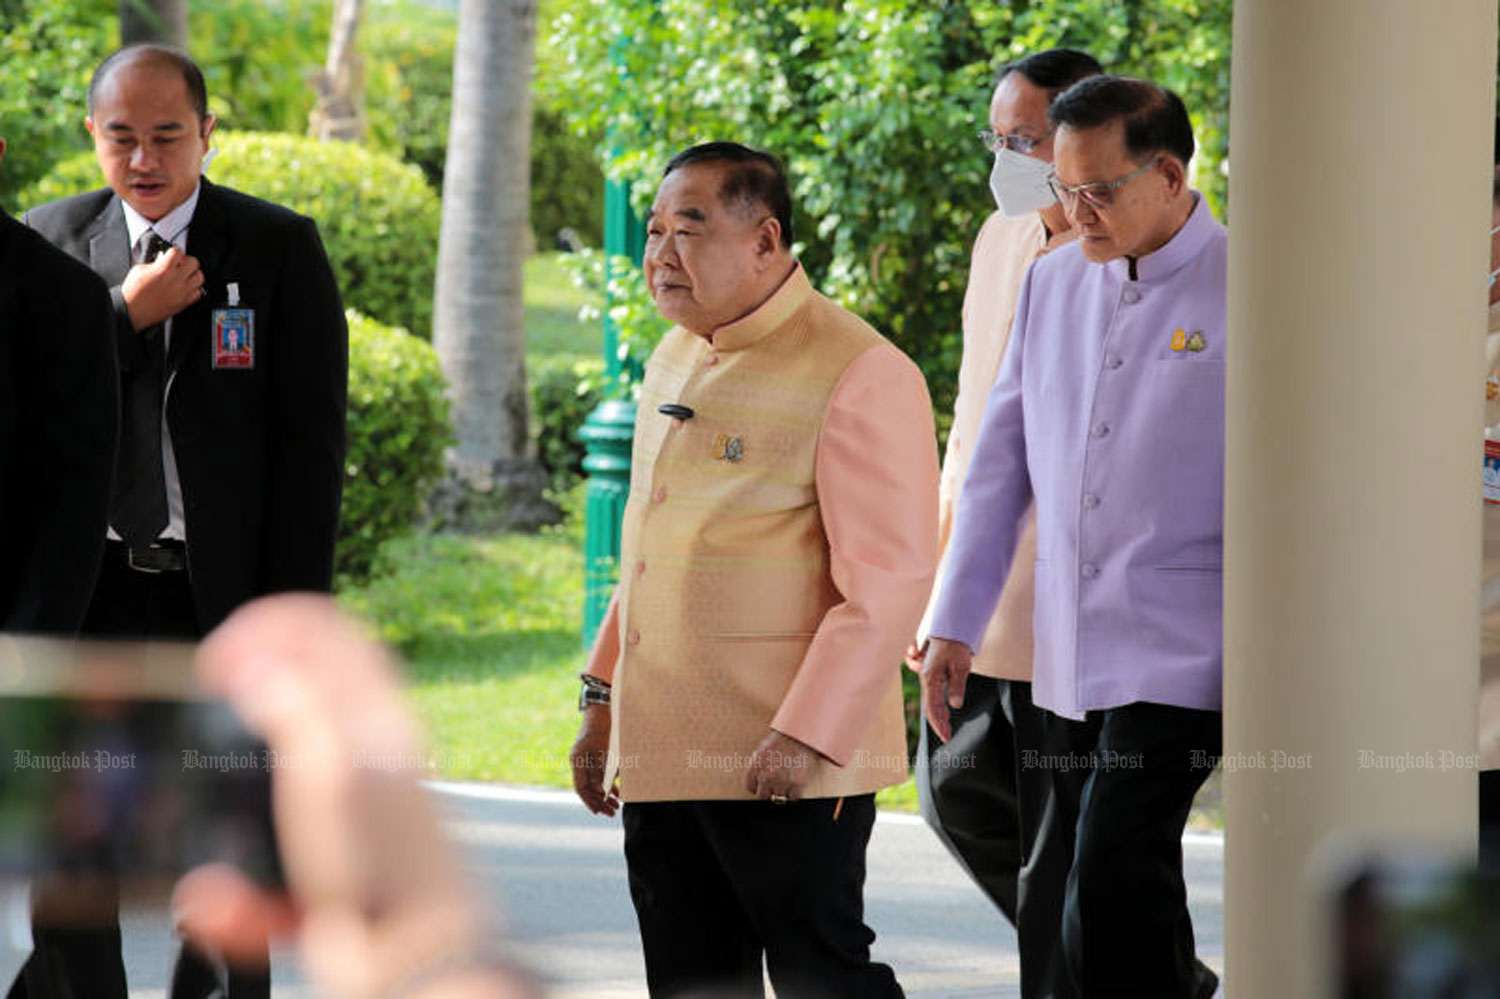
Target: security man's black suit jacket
259, 451
58, 418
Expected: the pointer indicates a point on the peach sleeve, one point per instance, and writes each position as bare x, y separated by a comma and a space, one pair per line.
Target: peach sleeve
877, 483
606, 650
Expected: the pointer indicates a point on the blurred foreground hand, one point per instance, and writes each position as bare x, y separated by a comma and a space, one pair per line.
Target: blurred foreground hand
375, 897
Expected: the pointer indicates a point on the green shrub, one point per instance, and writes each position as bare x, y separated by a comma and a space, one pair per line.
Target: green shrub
564, 390
378, 217
398, 428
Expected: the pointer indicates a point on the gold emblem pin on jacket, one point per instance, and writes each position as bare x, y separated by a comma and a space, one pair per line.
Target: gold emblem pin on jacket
728, 448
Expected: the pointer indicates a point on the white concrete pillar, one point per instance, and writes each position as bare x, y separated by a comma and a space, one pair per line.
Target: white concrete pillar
1360, 135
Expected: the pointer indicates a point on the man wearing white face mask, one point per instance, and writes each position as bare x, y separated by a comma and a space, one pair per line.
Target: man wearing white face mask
983, 804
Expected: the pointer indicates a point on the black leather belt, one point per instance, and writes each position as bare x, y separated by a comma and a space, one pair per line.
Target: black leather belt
165, 555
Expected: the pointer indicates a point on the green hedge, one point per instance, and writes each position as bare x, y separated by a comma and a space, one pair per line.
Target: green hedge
398, 428
378, 217
564, 390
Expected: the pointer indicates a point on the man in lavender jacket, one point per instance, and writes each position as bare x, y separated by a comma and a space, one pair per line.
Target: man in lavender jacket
1109, 410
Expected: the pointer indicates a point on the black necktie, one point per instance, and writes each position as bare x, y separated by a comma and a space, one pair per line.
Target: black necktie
138, 508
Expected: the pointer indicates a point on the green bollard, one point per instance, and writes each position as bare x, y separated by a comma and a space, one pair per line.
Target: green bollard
606, 437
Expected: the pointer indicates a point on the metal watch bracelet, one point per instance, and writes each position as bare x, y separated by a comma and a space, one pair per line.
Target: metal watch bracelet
593, 691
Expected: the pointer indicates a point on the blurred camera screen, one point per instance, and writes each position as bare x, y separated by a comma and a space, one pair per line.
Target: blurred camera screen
113, 764
1420, 928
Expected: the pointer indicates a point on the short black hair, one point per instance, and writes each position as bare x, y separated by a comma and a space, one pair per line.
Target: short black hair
159, 54
1156, 121
1054, 70
756, 180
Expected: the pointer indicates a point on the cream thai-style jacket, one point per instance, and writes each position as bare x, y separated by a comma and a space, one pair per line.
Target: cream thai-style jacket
777, 550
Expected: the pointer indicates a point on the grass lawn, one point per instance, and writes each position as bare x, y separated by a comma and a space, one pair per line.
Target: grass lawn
489, 628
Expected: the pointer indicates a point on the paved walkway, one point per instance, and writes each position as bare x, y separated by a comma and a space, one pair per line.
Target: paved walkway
557, 878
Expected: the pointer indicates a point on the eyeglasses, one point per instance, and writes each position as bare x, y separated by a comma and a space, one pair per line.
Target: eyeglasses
1097, 193
1019, 143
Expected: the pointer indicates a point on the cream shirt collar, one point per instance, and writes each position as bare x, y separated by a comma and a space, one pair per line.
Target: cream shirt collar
172, 226
770, 314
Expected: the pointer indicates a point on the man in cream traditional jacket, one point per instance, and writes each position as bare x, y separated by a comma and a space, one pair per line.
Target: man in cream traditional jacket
779, 543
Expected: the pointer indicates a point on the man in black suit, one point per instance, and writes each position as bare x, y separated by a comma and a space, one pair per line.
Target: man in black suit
230, 465
58, 416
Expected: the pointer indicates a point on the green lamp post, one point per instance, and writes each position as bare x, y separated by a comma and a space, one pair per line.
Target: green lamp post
608, 431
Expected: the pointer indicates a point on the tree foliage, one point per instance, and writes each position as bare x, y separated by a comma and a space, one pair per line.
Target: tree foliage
873, 104
48, 51
256, 56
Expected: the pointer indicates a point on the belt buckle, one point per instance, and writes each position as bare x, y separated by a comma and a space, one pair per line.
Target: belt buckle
156, 558
138, 566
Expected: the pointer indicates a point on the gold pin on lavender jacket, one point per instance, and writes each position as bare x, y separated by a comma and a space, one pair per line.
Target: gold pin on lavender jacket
728, 448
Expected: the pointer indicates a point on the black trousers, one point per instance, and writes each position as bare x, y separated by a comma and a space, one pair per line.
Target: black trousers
997, 816
718, 885
967, 790
72, 962
1129, 774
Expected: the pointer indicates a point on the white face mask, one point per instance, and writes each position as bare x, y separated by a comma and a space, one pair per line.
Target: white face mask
1019, 183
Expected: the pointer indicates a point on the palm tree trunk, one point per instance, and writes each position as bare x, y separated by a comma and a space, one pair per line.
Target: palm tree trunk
494, 477
340, 110
154, 21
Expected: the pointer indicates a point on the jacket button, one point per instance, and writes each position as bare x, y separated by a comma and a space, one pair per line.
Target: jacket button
661, 494
640, 569
633, 637
1113, 361
1131, 296
1101, 430
712, 359
1090, 501
1089, 570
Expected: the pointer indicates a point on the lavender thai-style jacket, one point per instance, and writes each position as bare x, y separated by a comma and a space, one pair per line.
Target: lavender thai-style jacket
1109, 410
